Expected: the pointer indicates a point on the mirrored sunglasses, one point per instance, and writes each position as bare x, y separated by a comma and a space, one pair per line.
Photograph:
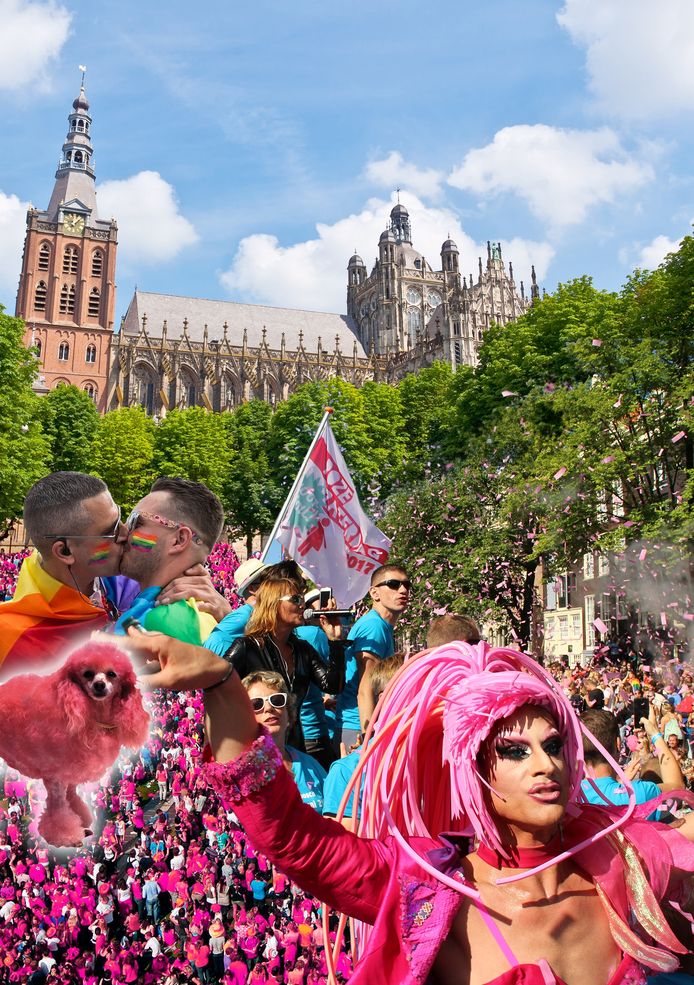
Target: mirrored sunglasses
294, 599
111, 534
276, 700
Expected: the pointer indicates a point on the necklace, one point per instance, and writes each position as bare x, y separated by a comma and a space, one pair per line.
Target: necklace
521, 858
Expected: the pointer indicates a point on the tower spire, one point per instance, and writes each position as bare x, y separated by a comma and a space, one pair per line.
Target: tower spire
75, 190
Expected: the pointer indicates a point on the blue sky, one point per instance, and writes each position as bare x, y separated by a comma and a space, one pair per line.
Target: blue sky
246, 149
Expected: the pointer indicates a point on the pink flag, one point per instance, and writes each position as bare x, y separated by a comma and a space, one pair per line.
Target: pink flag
325, 529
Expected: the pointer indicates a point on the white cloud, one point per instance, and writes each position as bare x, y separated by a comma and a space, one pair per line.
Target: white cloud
560, 173
395, 172
12, 228
313, 274
32, 37
652, 255
150, 226
639, 53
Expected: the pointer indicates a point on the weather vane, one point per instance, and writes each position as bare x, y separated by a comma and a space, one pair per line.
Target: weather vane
83, 69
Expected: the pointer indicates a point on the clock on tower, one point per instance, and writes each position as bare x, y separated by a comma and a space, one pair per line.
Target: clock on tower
73, 223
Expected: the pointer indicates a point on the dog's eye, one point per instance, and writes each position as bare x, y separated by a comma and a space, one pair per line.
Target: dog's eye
111, 674
89, 674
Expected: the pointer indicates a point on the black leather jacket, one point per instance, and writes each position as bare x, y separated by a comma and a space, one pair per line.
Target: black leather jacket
248, 655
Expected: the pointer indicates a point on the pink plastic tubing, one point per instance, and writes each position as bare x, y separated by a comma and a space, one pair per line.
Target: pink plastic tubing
419, 765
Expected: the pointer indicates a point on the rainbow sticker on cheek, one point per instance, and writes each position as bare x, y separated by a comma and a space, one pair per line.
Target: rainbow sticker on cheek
143, 542
101, 553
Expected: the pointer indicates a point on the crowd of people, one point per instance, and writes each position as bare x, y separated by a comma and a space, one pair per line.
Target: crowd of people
191, 874
169, 891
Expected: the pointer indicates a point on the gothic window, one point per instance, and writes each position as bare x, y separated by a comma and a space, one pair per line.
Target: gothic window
73, 124
97, 263
90, 354
38, 345
80, 124
90, 390
458, 355
44, 256
40, 296
414, 323
456, 328
94, 300
70, 260
418, 264
78, 157
67, 299
64, 352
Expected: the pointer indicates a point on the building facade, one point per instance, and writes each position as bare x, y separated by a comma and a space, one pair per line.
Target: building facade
404, 301
175, 351
67, 289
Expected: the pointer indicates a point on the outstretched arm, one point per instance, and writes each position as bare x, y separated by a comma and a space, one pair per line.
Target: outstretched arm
173, 665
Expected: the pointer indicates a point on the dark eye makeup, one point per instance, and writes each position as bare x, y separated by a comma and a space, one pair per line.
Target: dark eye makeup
518, 750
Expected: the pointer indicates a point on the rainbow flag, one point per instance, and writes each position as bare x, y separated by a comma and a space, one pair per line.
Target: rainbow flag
42, 620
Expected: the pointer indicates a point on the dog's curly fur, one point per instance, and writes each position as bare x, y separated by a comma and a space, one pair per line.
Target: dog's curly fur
68, 727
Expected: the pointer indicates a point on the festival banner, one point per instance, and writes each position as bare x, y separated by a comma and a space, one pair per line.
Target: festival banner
323, 526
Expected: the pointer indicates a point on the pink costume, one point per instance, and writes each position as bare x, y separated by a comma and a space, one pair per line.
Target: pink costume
379, 883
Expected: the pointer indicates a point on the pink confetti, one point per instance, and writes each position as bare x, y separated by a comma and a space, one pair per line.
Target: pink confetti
642, 555
600, 626
689, 616
597, 343
679, 436
508, 393
618, 402
441, 612
629, 523
663, 618
608, 459
560, 472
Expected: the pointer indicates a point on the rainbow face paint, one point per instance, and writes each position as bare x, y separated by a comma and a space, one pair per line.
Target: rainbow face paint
100, 553
143, 542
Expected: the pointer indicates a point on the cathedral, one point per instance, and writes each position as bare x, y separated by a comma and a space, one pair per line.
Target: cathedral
172, 351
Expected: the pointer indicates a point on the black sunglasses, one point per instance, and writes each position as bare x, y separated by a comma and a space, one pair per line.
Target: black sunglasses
395, 583
276, 700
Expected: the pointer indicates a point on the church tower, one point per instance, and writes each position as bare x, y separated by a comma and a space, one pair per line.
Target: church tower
67, 290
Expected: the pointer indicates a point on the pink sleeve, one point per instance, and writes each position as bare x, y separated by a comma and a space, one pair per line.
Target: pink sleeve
348, 873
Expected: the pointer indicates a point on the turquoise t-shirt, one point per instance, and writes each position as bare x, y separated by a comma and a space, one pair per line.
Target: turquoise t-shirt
339, 775
309, 776
314, 724
616, 793
370, 634
229, 629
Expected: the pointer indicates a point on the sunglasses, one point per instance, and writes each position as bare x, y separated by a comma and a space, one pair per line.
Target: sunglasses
294, 599
395, 583
111, 534
133, 520
276, 700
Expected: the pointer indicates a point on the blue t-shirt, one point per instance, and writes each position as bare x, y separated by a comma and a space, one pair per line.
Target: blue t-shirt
229, 629
339, 775
314, 724
616, 793
259, 889
370, 634
309, 776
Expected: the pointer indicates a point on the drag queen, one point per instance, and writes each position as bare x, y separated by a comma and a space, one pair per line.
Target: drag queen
476, 862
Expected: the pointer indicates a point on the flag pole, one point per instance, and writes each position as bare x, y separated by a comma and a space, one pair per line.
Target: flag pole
283, 511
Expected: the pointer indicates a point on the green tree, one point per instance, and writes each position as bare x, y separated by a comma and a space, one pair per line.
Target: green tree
425, 398
24, 449
552, 346
294, 424
69, 420
247, 494
192, 444
123, 453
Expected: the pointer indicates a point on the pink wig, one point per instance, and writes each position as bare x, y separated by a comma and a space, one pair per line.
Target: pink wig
441, 708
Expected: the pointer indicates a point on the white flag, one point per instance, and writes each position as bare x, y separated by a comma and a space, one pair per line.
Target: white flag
324, 528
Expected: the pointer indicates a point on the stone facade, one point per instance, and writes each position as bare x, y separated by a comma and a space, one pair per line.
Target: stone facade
404, 301
179, 351
67, 289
